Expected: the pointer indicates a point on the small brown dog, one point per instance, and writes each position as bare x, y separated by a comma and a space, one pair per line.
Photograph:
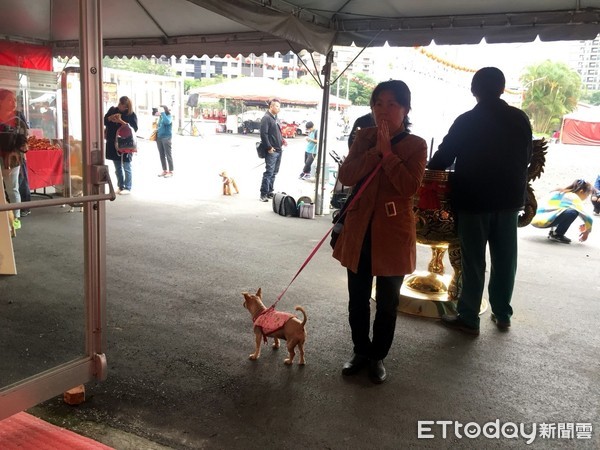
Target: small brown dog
228, 184
278, 325
76, 191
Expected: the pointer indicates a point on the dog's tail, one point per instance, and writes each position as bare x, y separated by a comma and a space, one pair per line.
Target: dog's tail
301, 309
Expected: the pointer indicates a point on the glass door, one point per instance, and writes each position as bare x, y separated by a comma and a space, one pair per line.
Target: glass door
52, 268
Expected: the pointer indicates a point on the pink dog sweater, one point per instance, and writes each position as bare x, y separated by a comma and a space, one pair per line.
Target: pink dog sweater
269, 321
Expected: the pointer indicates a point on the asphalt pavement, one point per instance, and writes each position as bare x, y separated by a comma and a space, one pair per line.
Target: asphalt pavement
179, 256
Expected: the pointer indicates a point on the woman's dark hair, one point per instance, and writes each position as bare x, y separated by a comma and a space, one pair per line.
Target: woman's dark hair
167, 110
127, 102
399, 90
487, 83
579, 185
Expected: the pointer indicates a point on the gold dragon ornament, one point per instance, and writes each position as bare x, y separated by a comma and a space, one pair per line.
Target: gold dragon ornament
534, 171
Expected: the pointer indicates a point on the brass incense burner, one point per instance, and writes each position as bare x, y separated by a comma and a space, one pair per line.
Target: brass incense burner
433, 293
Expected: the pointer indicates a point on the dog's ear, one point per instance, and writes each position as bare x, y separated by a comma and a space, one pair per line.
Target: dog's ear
259, 292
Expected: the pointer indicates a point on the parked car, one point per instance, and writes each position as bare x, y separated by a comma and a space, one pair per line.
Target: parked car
249, 122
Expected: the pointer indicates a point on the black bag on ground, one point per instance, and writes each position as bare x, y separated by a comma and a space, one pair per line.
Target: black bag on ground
261, 150
285, 205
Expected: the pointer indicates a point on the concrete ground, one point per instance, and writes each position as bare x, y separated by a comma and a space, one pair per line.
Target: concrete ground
179, 256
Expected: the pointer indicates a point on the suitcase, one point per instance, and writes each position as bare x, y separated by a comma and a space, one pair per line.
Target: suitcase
284, 205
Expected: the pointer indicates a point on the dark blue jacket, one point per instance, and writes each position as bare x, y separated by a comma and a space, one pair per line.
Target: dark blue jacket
491, 148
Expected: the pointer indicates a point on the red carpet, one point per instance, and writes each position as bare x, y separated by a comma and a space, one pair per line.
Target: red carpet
24, 431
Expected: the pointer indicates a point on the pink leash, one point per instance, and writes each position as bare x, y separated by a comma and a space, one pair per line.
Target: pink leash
318, 246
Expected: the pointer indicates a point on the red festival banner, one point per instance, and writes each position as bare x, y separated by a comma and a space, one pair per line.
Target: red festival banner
26, 56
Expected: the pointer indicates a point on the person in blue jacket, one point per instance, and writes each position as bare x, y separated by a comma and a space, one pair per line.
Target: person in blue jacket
164, 135
595, 197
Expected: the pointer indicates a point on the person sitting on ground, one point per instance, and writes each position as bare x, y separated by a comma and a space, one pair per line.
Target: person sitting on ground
562, 208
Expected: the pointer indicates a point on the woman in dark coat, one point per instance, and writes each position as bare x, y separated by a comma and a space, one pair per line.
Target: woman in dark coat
113, 119
379, 236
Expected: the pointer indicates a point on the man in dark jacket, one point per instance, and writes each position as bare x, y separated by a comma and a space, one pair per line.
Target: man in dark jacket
365, 121
491, 148
272, 141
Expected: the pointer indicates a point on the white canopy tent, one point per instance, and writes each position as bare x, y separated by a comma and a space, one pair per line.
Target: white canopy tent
198, 27
263, 89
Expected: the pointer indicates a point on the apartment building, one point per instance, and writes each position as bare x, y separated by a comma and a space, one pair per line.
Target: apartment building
277, 66
585, 59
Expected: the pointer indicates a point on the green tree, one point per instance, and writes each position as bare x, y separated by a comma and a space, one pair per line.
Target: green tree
552, 90
592, 98
358, 89
141, 65
189, 84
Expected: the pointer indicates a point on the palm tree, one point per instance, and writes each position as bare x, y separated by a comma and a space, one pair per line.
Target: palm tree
552, 90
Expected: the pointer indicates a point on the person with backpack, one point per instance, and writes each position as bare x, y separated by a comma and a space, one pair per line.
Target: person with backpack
122, 114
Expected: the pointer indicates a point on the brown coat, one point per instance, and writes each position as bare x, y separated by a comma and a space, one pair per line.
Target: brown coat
393, 237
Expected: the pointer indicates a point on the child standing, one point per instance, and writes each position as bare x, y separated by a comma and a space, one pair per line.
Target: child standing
311, 150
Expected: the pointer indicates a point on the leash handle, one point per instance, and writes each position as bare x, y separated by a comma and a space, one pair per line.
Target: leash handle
320, 243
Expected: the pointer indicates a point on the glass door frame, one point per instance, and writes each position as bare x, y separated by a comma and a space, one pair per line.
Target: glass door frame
92, 365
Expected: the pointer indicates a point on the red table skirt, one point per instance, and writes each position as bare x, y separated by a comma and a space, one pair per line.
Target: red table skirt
44, 168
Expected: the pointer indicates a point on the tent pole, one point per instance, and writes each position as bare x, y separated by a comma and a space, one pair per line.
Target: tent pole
322, 146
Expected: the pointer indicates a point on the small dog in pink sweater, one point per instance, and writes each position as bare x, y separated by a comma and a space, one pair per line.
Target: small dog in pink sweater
275, 324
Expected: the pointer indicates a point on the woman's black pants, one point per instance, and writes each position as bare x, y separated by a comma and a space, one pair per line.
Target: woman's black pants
387, 297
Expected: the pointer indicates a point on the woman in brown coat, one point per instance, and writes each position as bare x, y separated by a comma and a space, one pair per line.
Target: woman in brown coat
379, 237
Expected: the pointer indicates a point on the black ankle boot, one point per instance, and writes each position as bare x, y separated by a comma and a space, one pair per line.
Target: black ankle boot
377, 372
355, 364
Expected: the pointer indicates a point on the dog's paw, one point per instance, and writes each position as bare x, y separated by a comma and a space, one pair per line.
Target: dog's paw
288, 361
253, 357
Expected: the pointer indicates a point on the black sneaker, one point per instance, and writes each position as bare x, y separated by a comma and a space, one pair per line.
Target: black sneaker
558, 237
456, 323
263, 198
25, 212
270, 195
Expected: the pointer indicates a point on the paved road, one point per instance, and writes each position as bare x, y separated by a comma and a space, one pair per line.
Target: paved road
179, 256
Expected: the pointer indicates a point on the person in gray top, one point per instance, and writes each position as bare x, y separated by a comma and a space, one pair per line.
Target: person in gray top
490, 147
